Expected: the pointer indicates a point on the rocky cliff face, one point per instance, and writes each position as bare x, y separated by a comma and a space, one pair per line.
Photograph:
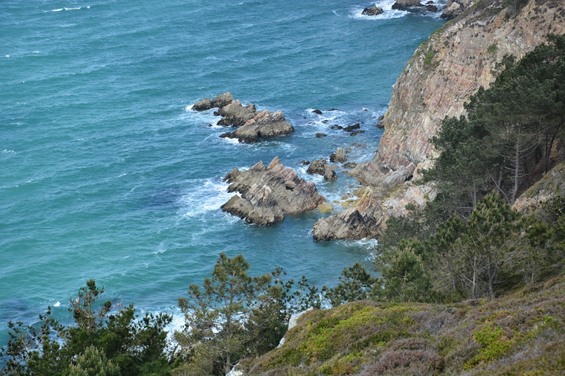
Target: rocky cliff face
441, 76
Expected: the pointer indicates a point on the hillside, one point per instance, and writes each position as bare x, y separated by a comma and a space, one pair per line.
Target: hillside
521, 333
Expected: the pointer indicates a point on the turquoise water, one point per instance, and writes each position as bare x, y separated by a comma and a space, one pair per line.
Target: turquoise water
106, 173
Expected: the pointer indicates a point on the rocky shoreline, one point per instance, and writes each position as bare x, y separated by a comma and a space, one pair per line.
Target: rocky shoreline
390, 184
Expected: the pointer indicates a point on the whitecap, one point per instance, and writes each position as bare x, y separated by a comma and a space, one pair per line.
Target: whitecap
203, 196
57, 304
386, 6
8, 151
6, 55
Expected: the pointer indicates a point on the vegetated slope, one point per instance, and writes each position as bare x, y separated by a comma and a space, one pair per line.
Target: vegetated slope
521, 333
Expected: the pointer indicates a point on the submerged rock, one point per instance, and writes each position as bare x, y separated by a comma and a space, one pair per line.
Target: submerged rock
267, 194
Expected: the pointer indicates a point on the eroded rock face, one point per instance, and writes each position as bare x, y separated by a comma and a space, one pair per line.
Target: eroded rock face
251, 125
349, 224
267, 194
441, 76
321, 167
339, 156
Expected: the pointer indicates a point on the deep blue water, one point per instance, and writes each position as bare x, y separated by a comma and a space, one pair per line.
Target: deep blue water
105, 172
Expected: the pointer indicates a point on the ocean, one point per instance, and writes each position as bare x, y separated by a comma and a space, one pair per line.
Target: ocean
105, 171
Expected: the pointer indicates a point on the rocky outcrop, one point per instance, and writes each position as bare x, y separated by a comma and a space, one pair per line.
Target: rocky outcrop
372, 11
339, 156
264, 124
321, 167
403, 4
349, 224
267, 194
251, 125
441, 76
547, 189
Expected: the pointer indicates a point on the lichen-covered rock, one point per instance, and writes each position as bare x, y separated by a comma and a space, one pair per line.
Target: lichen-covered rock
321, 167
267, 194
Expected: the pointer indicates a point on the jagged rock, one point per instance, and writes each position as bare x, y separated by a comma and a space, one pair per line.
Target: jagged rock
219, 102
317, 112
452, 10
252, 125
339, 156
235, 114
349, 224
380, 122
352, 127
321, 135
372, 11
350, 165
336, 127
304, 162
321, 167
431, 8
403, 4
267, 194
264, 124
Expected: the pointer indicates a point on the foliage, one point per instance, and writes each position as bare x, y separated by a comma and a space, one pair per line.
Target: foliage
509, 131
100, 342
355, 283
234, 315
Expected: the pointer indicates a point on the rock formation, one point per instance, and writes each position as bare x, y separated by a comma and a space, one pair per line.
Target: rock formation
251, 125
403, 4
321, 167
372, 11
339, 156
441, 76
267, 194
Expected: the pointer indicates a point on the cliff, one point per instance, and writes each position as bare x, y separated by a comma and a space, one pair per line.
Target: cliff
441, 76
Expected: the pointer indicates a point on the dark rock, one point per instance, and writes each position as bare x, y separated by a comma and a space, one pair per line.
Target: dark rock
355, 133
431, 8
336, 127
380, 122
321, 167
404, 4
317, 112
321, 135
352, 127
304, 162
338, 156
372, 11
267, 194
350, 165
